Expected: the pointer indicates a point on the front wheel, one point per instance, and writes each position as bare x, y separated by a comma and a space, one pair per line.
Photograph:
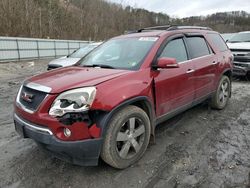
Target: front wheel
126, 138
222, 94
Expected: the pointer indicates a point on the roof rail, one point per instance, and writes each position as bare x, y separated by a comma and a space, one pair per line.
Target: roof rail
167, 28
162, 27
188, 27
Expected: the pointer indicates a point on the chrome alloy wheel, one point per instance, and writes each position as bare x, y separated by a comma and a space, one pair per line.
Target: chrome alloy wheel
224, 92
130, 138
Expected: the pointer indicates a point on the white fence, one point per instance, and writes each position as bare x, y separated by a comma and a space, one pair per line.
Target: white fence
16, 49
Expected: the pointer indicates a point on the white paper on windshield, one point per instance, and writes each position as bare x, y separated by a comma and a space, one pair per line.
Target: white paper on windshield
148, 38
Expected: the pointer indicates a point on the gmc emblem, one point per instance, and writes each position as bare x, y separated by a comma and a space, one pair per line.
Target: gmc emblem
27, 97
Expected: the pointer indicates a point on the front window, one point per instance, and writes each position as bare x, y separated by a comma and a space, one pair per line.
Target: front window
127, 53
240, 37
175, 49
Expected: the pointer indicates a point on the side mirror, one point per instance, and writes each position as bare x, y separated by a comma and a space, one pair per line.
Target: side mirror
167, 63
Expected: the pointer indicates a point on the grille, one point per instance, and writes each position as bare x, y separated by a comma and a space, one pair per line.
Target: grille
241, 64
35, 98
50, 67
242, 58
240, 50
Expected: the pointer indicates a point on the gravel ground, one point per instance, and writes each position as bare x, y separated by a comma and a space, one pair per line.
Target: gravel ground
198, 148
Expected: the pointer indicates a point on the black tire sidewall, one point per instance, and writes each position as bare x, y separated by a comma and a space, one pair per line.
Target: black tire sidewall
218, 103
115, 124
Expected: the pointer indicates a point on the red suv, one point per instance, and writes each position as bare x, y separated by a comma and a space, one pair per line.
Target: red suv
109, 104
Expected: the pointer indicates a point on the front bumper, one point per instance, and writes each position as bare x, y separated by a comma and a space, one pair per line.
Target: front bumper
83, 153
241, 68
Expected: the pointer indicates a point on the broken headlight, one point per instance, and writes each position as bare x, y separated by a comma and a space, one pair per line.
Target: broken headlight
73, 101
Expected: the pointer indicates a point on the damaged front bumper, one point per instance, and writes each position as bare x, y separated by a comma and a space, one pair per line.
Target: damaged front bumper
83, 152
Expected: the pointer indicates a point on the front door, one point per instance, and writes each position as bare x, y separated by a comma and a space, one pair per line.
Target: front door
174, 87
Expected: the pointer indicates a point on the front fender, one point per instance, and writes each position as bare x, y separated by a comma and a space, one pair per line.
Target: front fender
116, 91
131, 88
103, 118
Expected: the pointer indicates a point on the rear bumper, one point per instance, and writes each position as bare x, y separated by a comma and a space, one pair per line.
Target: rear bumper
84, 153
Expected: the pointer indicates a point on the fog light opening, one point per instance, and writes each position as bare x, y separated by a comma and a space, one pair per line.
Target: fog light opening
67, 132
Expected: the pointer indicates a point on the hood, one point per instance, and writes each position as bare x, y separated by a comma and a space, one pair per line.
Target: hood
66, 61
239, 45
63, 79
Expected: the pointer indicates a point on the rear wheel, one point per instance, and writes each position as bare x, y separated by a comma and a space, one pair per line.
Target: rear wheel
222, 94
127, 137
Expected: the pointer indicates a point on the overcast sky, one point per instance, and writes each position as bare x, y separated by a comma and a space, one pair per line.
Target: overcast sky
186, 8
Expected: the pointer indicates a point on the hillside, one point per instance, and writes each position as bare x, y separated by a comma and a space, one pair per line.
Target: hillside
96, 19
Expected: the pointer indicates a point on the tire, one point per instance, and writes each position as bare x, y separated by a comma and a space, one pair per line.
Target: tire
221, 97
126, 138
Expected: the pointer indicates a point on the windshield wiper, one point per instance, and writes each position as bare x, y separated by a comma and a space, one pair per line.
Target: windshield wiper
234, 41
100, 65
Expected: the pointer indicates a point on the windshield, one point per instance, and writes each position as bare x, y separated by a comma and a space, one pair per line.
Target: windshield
125, 53
81, 52
240, 37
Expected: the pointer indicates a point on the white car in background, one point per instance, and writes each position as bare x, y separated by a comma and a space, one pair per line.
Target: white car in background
239, 44
227, 36
72, 58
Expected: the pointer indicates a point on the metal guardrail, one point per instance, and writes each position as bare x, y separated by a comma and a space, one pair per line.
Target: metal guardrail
16, 49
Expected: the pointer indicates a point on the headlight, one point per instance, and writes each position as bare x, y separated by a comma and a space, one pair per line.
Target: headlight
75, 100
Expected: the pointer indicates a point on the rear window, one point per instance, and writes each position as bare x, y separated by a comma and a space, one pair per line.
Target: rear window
197, 47
218, 41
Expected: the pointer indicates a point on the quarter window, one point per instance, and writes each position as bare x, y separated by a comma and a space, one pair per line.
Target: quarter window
175, 49
197, 47
218, 41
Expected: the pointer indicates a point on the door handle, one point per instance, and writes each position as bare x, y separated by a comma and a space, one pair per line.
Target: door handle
190, 71
214, 62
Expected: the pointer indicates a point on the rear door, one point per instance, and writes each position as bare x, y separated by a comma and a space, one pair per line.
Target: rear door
204, 62
174, 87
